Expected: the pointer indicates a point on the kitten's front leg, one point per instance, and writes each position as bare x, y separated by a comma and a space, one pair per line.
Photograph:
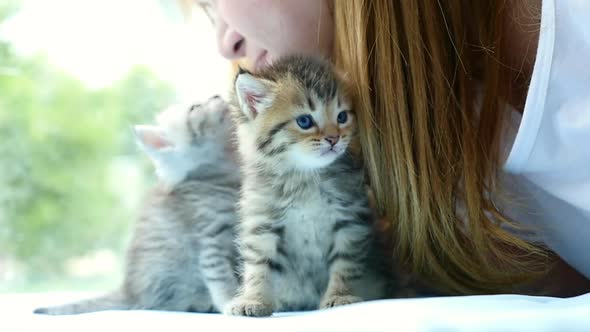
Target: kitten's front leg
345, 261
259, 250
254, 299
339, 291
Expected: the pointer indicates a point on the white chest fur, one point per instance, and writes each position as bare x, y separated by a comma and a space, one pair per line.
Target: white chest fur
307, 238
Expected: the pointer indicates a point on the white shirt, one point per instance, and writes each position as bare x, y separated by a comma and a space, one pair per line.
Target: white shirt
548, 166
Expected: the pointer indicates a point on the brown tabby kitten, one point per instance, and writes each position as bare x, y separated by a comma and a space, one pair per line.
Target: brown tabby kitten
182, 256
306, 229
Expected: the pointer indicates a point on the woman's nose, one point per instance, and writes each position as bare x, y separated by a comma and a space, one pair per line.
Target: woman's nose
230, 43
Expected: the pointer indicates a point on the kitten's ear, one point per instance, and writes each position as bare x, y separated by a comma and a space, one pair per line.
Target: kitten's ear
344, 79
151, 138
255, 95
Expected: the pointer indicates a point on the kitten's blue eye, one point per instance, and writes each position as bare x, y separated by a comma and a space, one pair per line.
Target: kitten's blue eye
342, 117
305, 121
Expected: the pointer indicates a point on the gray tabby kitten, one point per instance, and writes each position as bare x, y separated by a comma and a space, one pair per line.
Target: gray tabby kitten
306, 229
182, 255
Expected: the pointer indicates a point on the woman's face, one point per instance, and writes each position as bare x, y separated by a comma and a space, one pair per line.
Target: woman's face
263, 30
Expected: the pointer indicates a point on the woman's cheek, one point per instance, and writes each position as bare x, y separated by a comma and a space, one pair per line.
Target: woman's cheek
245, 13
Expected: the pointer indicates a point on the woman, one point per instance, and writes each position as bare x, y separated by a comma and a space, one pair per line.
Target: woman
472, 134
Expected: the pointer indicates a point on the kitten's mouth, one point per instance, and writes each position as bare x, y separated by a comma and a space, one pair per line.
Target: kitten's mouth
329, 152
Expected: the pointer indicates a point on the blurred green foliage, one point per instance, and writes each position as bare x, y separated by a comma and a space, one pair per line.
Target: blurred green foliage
63, 190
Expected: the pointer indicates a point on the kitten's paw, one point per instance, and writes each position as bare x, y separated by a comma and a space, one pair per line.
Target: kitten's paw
248, 307
337, 300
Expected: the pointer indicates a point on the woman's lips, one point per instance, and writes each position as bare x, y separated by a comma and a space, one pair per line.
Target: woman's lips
262, 61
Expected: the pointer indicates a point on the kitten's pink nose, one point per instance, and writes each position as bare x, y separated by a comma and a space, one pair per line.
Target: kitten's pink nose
332, 139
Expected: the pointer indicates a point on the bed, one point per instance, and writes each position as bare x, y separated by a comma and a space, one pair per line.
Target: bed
466, 313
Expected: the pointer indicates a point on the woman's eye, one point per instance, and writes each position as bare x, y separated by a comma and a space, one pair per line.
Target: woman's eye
305, 121
342, 117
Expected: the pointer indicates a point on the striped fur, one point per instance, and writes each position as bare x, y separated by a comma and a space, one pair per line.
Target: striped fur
182, 255
306, 229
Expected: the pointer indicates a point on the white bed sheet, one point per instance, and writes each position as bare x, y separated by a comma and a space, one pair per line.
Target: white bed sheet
467, 313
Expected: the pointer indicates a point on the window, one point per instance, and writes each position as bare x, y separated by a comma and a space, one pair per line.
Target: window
74, 76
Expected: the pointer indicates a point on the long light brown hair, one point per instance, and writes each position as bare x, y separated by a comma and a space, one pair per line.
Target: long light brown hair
415, 67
